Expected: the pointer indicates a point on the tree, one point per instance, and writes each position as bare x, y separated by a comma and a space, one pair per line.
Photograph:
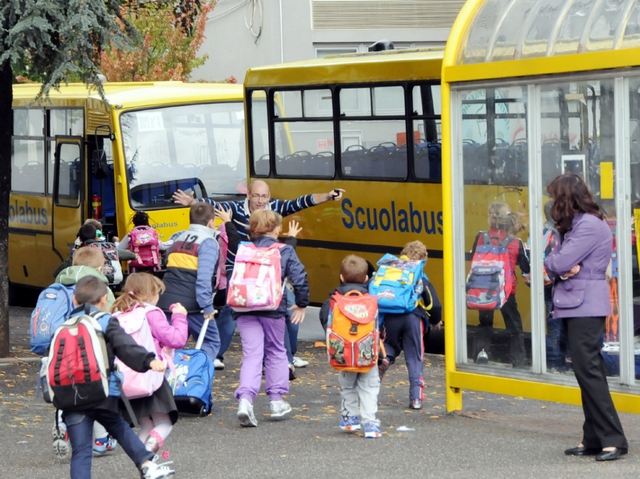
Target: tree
57, 40
171, 35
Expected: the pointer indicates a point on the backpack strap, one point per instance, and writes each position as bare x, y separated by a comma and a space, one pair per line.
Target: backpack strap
505, 242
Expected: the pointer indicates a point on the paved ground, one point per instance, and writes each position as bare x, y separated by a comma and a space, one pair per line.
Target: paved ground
494, 437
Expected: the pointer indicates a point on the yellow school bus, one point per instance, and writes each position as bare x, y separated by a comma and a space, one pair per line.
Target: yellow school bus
368, 123
75, 156
531, 90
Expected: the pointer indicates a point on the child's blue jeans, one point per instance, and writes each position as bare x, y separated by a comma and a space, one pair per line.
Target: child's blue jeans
80, 429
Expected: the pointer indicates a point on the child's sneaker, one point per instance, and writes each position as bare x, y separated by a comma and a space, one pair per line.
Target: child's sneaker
371, 430
61, 444
153, 470
245, 414
280, 408
104, 445
350, 423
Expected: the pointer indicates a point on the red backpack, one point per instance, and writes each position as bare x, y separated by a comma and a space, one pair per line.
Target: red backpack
256, 282
78, 368
489, 280
143, 241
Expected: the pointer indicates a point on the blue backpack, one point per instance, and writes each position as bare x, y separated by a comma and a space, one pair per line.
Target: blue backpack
54, 305
191, 382
397, 284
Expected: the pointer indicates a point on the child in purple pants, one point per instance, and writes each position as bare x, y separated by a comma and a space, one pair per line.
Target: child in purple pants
262, 332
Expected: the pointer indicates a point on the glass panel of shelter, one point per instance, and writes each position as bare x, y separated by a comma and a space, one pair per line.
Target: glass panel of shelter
495, 166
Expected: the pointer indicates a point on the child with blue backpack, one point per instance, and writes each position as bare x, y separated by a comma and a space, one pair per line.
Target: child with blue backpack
406, 331
156, 413
52, 309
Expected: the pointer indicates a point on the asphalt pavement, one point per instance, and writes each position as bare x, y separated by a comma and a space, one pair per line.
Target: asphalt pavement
493, 437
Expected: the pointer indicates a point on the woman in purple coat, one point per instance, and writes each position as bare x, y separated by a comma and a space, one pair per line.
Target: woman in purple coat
581, 299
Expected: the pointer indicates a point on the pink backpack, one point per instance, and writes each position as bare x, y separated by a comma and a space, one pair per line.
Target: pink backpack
135, 324
143, 241
256, 282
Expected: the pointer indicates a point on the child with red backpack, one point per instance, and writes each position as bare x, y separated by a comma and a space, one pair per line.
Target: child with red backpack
510, 250
359, 389
98, 400
151, 397
144, 242
255, 292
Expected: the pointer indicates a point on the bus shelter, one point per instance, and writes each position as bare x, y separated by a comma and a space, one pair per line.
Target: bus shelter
533, 89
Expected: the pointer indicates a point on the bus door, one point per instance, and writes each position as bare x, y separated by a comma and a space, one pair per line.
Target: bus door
69, 193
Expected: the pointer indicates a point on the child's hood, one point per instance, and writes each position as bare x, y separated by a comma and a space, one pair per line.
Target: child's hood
71, 275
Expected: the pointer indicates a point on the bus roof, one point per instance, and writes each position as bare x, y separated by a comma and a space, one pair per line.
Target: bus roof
499, 30
135, 94
391, 65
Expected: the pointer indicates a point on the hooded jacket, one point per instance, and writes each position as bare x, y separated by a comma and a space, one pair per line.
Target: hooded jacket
71, 275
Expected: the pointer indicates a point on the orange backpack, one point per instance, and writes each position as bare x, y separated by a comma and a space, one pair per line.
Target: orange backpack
353, 337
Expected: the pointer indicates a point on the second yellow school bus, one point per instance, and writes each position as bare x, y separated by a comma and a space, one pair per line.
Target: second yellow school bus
367, 123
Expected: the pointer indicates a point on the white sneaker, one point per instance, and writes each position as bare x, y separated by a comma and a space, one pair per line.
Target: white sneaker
156, 471
61, 443
245, 414
280, 408
219, 365
299, 362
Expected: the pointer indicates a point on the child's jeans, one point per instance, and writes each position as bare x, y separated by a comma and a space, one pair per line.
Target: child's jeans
359, 393
80, 429
262, 338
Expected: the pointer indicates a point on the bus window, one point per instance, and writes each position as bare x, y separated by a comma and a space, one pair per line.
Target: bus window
259, 133
27, 169
63, 122
69, 180
311, 140
197, 147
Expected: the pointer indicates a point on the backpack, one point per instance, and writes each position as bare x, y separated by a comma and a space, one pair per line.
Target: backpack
397, 284
256, 282
112, 268
353, 337
143, 241
78, 369
489, 280
54, 305
136, 384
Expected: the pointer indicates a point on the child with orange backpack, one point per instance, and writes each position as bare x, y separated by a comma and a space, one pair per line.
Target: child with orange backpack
352, 313
151, 397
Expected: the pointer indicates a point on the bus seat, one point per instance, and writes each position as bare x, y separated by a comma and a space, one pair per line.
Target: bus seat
421, 161
396, 164
261, 166
374, 161
435, 160
33, 176
350, 159
475, 163
498, 160
551, 153
321, 164
516, 172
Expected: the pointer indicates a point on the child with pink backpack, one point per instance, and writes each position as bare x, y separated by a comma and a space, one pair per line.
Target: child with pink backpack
151, 397
144, 242
255, 293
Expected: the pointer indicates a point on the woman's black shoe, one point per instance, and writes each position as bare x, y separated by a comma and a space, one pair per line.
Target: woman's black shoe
611, 455
582, 451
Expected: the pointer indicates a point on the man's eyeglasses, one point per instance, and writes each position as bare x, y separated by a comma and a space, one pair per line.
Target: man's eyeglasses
256, 196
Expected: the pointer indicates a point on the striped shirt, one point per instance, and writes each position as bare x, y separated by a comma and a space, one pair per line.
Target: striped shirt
240, 215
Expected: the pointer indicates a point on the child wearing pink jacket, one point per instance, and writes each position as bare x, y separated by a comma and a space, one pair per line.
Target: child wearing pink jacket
156, 413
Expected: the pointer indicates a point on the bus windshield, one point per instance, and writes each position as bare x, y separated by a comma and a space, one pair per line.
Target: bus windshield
197, 148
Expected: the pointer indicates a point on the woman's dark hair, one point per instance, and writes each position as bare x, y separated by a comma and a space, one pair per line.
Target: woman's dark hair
140, 218
570, 195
